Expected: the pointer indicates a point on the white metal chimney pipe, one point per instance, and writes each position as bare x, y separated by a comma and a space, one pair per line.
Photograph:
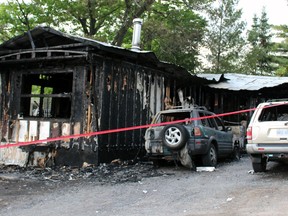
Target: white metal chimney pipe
136, 34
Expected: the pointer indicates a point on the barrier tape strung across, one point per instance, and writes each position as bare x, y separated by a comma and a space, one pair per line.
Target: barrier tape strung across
75, 136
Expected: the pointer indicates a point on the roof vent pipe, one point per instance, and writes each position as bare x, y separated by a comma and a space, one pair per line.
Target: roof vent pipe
136, 34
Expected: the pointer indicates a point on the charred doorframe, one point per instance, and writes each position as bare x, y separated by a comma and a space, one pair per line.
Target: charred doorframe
5, 103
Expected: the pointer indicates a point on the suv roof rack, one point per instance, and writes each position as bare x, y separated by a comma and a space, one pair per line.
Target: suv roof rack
190, 106
277, 100
202, 107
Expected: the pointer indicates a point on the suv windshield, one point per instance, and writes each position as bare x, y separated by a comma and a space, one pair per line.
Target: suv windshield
274, 113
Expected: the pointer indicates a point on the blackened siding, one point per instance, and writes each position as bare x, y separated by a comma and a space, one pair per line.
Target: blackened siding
127, 97
79, 104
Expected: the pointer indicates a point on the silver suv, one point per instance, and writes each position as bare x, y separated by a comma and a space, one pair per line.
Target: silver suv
267, 134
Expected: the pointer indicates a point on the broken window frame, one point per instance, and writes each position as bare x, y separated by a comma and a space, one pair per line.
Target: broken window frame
59, 99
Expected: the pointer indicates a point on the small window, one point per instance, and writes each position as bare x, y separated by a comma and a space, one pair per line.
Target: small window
220, 125
46, 95
204, 120
208, 121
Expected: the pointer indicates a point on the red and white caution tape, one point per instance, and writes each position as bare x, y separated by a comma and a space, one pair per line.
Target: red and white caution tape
75, 136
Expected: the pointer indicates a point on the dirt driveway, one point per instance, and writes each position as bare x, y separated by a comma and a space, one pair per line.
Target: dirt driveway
232, 189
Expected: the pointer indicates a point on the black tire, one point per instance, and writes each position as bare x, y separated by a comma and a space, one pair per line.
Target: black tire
236, 154
174, 136
211, 158
260, 167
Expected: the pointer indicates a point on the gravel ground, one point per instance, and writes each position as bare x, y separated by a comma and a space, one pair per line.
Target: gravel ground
140, 189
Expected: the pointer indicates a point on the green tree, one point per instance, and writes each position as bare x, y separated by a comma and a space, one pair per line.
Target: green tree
224, 38
258, 59
105, 20
173, 33
16, 17
171, 28
280, 53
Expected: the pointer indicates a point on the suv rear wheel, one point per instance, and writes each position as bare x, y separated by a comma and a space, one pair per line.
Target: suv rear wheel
259, 166
174, 136
210, 159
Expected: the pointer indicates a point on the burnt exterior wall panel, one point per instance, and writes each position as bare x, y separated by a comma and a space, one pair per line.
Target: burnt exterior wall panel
6, 90
98, 86
113, 108
22, 131
33, 131
142, 101
122, 105
79, 99
13, 156
160, 93
44, 130
15, 94
105, 106
128, 96
152, 96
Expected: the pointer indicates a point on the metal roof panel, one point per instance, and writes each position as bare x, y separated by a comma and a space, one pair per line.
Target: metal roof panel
237, 82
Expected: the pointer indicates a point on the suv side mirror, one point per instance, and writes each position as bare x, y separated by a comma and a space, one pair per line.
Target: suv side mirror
228, 129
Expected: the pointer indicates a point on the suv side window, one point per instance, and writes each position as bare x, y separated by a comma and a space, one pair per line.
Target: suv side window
220, 125
207, 122
204, 121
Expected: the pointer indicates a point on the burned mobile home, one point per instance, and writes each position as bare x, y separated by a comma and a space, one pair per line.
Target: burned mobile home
54, 84
233, 92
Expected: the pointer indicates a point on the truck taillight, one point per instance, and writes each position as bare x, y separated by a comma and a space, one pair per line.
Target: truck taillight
197, 131
249, 133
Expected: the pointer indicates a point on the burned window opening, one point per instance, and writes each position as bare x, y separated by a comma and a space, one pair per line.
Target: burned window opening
46, 95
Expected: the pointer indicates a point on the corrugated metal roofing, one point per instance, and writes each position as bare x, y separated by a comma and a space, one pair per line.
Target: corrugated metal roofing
236, 82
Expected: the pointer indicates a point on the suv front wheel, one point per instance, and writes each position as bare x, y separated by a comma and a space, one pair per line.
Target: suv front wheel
174, 136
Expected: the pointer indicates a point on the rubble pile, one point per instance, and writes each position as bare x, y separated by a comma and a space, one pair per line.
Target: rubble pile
113, 173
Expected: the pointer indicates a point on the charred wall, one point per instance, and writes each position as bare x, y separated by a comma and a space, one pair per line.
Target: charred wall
42, 101
127, 95
67, 85
46, 99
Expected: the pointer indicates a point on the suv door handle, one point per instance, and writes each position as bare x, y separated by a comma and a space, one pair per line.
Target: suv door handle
286, 124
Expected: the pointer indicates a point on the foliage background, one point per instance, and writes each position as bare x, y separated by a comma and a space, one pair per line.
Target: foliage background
204, 36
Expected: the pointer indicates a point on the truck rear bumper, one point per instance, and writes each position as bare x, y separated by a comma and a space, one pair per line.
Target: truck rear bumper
261, 148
